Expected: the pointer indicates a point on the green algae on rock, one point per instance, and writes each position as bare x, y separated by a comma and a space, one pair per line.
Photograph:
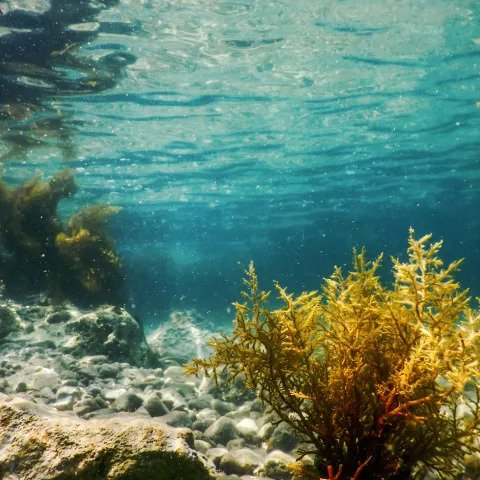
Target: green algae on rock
381, 382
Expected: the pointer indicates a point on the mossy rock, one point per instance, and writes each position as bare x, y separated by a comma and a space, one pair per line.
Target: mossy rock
39, 444
8, 321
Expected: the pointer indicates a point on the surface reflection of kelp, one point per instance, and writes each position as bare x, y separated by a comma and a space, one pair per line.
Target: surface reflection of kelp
40, 60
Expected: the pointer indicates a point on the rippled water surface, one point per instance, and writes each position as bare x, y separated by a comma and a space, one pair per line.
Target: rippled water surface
283, 132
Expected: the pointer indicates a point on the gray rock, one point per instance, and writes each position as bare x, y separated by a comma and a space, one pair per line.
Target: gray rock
71, 382
179, 336
44, 377
204, 419
236, 444
283, 438
45, 393
248, 429
8, 321
222, 431
276, 466
20, 387
201, 446
68, 391
176, 373
201, 402
108, 371
215, 454
64, 403
101, 412
94, 391
172, 399
222, 407
127, 402
110, 332
266, 430
178, 418
60, 316
242, 461
88, 404
153, 404
4, 385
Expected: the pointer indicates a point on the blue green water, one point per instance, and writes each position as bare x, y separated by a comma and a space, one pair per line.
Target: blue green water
281, 132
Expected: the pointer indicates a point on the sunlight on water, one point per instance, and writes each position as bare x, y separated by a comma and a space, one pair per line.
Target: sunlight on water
286, 132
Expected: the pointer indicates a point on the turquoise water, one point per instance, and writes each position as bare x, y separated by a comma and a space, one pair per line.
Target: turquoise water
281, 132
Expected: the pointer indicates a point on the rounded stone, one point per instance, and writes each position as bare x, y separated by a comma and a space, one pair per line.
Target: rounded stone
222, 407
275, 466
127, 402
215, 454
247, 428
242, 461
44, 377
21, 387
153, 404
222, 431
178, 418
283, 438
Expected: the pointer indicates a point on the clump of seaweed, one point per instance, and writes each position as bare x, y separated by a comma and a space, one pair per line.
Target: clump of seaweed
382, 383
89, 254
76, 261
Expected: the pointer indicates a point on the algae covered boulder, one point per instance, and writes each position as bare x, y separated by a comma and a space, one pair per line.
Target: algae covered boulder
108, 331
8, 321
38, 444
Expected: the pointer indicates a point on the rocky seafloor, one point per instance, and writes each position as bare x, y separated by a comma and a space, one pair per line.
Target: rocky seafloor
84, 395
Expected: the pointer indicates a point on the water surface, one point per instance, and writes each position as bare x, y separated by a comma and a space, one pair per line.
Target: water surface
282, 132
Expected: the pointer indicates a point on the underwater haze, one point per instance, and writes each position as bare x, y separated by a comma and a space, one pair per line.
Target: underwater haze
281, 132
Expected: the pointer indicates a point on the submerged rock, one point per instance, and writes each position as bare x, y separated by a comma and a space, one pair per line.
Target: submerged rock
111, 332
8, 321
242, 461
38, 444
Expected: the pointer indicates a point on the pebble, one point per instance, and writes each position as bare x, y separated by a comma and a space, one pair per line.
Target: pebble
222, 431
69, 391
44, 377
276, 466
153, 404
90, 386
178, 418
266, 430
20, 387
173, 399
242, 461
215, 454
247, 428
283, 438
127, 402
64, 403
222, 407
88, 404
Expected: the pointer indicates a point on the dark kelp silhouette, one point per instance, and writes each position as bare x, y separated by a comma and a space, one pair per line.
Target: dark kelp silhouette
40, 61
38, 252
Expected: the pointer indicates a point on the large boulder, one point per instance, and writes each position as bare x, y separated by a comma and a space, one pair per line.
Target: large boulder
182, 337
108, 331
39, 444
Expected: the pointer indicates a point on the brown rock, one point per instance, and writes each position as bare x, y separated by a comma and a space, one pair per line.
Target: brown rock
39, 444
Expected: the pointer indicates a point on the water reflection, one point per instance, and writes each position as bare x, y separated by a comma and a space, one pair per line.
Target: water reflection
42, 59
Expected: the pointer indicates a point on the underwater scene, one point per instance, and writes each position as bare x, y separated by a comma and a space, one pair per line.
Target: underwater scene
239, 240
